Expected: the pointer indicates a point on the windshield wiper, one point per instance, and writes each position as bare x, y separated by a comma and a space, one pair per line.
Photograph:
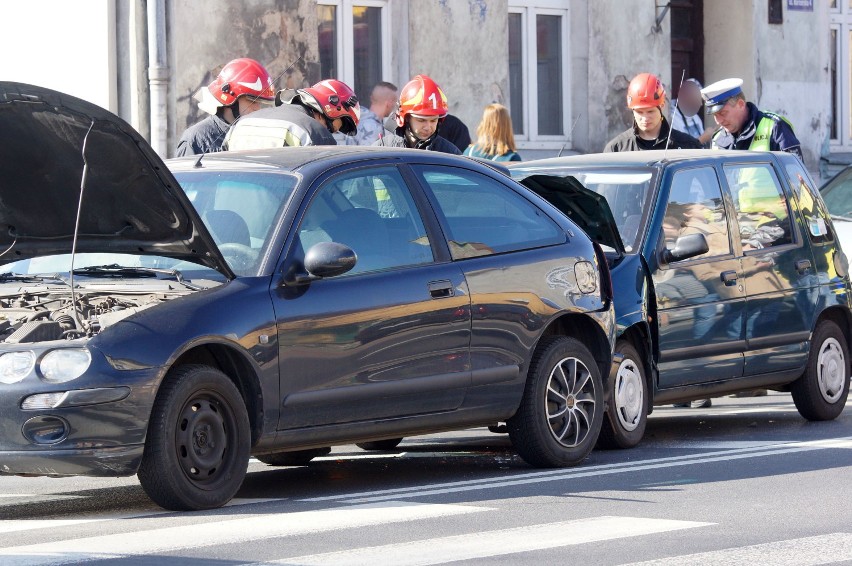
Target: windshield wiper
115, 270
25, 277
843, 218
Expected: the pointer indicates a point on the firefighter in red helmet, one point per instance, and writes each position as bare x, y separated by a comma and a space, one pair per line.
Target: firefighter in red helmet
305, 116
241, 87
646, 98
422, 108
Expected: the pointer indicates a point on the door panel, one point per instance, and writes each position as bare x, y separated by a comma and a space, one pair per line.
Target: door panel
391, 337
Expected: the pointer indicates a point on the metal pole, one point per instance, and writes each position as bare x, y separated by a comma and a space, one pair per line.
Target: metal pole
158, 76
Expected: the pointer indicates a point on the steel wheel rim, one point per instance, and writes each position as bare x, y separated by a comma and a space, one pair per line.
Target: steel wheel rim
202, 439
629, 395
831, 370
570, 402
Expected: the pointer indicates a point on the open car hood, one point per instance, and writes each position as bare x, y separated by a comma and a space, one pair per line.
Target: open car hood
131, 203
589, 210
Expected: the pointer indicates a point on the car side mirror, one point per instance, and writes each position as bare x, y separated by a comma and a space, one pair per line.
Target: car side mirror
325, 259
686, 247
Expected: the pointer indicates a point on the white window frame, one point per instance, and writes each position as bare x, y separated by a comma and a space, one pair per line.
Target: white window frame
529, 9
840, 19
346, 37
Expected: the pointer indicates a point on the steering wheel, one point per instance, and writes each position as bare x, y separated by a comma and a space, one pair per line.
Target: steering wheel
241, 258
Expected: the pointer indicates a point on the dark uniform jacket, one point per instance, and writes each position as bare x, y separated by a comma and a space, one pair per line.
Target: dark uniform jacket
629, 140
781, 138
396, 139
205, 136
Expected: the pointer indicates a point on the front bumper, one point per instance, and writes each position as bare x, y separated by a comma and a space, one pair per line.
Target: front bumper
98, 462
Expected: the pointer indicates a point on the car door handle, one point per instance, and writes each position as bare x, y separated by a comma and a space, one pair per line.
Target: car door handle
803, 265
441, 289
729, 278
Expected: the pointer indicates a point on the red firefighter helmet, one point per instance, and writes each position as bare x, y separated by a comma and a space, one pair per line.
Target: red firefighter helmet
645, 91
421, 96
241, 77
334, 99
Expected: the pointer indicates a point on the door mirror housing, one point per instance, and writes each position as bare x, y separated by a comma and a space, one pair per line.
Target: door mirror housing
325, 259
686, 247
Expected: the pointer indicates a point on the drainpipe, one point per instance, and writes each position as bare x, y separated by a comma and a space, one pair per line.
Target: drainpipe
158, 76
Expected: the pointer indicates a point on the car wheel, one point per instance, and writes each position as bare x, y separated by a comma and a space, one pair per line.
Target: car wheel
388, 444
197, 448
627, 404
820, 394
294, 458
560, 415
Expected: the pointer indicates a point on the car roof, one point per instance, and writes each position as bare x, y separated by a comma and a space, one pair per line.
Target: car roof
654, 158
299, 158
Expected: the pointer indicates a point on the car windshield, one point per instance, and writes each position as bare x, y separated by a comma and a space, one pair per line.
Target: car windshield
240, 209
627, 191
837, 195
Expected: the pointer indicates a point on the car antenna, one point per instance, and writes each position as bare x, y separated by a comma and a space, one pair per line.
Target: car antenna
198, 161
275, 80
77, 227
571, 131
669, 137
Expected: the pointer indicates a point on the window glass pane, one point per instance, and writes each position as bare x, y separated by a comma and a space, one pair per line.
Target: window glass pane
813, 209
327, 16
485, 217
549, 65
372, 212
761, 206
696, 207
516, 73
367, 34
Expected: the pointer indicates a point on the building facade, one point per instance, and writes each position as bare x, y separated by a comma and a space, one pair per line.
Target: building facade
561, 66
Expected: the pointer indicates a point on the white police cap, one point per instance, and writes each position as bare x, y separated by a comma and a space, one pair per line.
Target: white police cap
716, 94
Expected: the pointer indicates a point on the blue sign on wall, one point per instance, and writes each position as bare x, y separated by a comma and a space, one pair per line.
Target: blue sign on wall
801, 5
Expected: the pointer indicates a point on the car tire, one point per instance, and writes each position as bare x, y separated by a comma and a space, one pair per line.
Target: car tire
294, 458
559, 419
197, 447
820, 393
388, 444
627, 401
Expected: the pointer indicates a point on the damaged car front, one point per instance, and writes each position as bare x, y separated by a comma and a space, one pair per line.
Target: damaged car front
94, 232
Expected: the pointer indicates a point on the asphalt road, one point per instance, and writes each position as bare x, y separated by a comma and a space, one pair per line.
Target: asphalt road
747, 481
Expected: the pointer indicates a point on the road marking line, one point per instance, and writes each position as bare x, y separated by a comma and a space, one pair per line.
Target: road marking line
169, 539
18, 525
581, 472
494, 543
809, 551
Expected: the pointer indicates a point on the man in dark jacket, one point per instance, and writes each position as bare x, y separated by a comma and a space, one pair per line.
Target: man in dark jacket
422, 108
743, 125
650, 130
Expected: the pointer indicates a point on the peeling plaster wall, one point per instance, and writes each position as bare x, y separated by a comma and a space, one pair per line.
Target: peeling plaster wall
622, 44
275, 33
783, 66
463, 45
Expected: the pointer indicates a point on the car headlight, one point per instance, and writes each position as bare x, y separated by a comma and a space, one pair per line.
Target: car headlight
15, 366
59, 366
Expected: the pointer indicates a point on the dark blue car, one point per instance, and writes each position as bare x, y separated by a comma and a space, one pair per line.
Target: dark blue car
727, 277
172, 321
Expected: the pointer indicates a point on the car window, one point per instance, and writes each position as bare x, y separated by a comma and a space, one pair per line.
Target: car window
485, 217
837, 194
372, 211
762, 212
695, 206
812, 207
239, 209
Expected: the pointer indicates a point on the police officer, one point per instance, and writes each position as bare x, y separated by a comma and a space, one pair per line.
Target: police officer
422, 109
743, 125
241, 87
650, 130
305, 116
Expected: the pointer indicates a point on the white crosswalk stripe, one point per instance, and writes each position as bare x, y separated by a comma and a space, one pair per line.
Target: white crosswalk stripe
810, 551
493, 543
224, 532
